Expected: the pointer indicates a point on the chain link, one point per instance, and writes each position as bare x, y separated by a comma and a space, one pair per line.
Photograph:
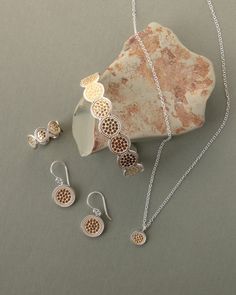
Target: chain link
146, 224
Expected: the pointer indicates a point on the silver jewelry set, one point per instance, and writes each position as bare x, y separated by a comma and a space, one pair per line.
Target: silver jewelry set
120, 145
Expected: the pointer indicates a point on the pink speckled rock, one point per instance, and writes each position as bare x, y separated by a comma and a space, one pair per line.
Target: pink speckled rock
186, 79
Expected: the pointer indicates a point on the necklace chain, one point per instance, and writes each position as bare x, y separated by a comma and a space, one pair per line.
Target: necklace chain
146, 224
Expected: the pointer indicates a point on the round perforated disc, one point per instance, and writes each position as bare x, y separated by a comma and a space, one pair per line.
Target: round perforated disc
54, 128
119, 144
92, 226
90, 79
109, 126
138, 238
128, 159
93, 91
101, 108
41, 134
32, 141
63, 195
133, 170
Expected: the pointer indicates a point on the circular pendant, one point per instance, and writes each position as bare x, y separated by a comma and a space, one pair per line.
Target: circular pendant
92, 226
63, 195
138, 238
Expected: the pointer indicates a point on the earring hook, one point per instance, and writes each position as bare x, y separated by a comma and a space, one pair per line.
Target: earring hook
96, 211
58, 179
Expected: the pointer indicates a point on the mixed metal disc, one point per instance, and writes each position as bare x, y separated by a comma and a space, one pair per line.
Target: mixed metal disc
101, 108
54, 128
119, 144
93, 91
138, 238
92, 226
63, 195
128, 159
109, 126
41, 135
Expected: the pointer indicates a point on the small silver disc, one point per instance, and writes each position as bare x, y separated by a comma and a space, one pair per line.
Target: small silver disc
63, 195
138, 238
92, 226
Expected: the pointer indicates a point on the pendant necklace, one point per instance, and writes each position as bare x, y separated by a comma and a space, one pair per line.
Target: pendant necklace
138, 237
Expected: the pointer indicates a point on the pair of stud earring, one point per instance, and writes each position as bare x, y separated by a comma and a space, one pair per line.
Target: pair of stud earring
42, 135
64, 196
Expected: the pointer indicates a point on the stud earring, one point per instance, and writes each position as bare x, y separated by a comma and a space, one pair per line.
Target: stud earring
93, 225
42, 135
63, 195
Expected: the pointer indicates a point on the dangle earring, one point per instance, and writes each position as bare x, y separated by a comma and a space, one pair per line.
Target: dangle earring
63, 195
93, 225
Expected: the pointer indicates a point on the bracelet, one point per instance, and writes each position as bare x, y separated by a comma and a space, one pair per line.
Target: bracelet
109, 125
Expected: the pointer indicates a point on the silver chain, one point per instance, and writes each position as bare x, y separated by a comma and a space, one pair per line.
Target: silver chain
146, 224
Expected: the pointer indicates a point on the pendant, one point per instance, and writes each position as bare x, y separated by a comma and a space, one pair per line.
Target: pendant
138, 238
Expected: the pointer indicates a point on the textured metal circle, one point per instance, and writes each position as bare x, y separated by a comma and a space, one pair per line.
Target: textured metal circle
92, 226
54, 128
109, 126
133, 170
93, 91
41, 134
90, 79
32, 141
101, 108
119, 144
63, 195
138, 238
128, 159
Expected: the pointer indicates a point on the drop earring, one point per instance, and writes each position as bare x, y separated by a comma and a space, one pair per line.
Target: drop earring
93, 225
63, 195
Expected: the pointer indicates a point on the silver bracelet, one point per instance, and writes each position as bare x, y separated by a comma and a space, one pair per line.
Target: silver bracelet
109, 125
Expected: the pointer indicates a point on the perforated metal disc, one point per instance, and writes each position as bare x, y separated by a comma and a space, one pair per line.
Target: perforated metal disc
54, 128
63, 195
92, 226
128, 159
41, 134
119, 144
93, 91
101, 108
138, 238
109, 126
